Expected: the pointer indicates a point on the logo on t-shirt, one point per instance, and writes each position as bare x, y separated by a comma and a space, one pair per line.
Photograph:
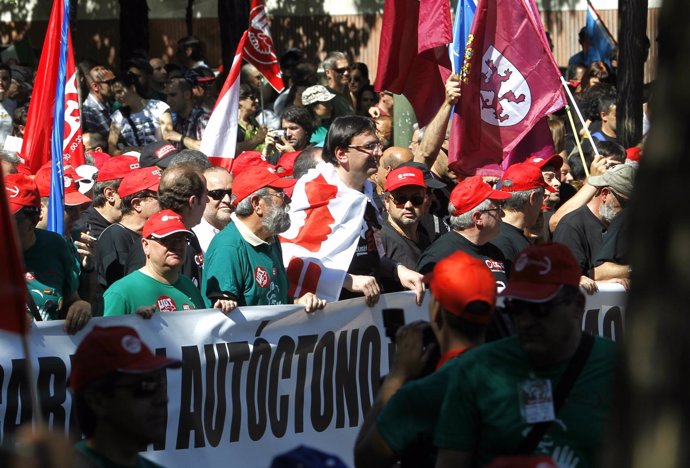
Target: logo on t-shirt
494, 265
166, 304
261, 277
186, 307
199, 259
29, 276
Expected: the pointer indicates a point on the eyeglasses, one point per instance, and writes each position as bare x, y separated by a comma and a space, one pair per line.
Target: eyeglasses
219, 194
144, 388
369, 147
341, 70
282, 195
401, 200
496, 209
108, 82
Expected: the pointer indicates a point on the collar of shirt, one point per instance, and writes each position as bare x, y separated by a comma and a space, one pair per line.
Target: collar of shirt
449, 355
246, 233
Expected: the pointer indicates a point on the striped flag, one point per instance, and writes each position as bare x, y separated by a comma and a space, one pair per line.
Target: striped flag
259, 50
220, 137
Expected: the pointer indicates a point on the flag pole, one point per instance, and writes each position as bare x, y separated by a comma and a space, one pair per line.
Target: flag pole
579, 115
589, 3
577, 139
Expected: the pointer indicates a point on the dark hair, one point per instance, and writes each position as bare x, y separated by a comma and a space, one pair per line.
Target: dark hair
177, 185
129, 79
470, 330
301, 117
363, 69
589, 103
99, 199
342, 131
596, 70
182, 83
607, 100
361, 92
190, 42
127, 201
246, 91
306, 160
4, 66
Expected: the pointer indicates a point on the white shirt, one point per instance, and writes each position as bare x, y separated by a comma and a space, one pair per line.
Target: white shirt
204, 233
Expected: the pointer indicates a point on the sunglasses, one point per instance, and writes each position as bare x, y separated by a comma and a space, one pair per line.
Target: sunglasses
341, 70
219, 194
27, 213
401, 200
144, 388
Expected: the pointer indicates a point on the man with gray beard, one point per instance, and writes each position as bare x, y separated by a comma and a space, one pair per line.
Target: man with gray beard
244, 261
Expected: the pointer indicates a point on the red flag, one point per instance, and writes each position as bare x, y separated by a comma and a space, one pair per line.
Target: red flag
12, 286
258, 50
220, 137
510, 81
39, 122
413, 57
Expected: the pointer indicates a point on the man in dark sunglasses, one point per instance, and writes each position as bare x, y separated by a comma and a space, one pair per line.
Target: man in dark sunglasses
336, 66
219, 207
516, 384
120, 395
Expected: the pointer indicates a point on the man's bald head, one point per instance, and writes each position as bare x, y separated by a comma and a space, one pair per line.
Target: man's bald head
391, 158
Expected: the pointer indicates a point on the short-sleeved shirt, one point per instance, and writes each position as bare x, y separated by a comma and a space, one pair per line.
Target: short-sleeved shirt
95, 116
52, 272
366, 260
582, 233
510, 241
242, 266
92, 221
194, 125
616, 244
482, 414
402, 251
342, 104
137, 289
111, 253
147, 126
191, 268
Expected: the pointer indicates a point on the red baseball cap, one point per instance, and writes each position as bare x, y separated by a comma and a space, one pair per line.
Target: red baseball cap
73, 197
555, 161
256, 178
634, 153
469, 193
44, 176
403, 177
105, 350
287, 162
21, 192
523, 176
116, 168
99, 158
248, 159
145, 178
460, 279
163, 224
539, 271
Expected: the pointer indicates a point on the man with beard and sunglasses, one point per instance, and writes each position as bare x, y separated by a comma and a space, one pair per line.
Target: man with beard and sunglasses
244, 261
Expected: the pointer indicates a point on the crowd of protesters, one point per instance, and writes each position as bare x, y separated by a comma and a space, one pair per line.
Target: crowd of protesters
152, 227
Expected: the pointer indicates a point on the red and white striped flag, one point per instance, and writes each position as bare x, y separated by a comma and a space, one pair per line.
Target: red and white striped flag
259, 50
220, 137
327, 219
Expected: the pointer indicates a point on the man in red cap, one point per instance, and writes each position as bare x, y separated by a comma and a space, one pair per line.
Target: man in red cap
403, 237
52, 274
526, 185
244, 261
119, 392
401, 423
510, 396
139, 194
551, 171
159, 284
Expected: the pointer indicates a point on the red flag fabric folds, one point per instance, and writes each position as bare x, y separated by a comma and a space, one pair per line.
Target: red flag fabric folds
413, 57
259, 50
509, 82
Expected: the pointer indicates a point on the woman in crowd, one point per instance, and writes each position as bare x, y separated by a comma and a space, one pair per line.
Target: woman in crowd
250, 135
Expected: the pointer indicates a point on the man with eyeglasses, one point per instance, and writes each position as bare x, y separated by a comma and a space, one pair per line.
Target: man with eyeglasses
336, 66
502, 394
119, 392
96, 108
219, 207
244, 261
403, 238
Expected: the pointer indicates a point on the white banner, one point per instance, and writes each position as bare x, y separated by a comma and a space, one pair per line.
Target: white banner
254, 384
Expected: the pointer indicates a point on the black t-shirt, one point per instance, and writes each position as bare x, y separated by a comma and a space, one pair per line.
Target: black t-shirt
402, 250
435, 222
111, 252
92, 222
582, 233
616, 244
193, 260
510, 241
366, 260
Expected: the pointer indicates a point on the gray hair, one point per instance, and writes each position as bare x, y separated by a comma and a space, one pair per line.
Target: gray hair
245, 208
519, 200
10, 157
464, 220
191, 158
329, 62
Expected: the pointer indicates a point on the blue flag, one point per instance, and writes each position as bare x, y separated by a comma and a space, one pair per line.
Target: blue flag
464, 14
601, 44
56, 205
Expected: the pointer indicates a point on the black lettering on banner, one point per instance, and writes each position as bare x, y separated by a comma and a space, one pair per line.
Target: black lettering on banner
52, 369
369, 367
256, 391
190, 400
346, 380
215, 405
613, 324
18, 396
279, 407
160, 444
239, 354
590, 322
305, 346
322, 382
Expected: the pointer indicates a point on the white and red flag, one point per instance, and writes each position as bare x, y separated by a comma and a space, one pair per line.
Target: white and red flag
220, 137
327, 218
509, 81
259, 50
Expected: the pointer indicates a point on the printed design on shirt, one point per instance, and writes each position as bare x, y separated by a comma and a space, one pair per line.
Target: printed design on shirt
273, 295
199, 259
166, 304
29, 276
494, 265
261, 276
186, 307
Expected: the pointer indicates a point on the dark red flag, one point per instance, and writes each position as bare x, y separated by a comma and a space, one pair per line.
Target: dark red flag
413, 54
13, 291
510, 82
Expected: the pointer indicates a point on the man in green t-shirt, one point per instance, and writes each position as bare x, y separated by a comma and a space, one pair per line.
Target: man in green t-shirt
500, 391
159, 284
244, 261
400, 424
120, 397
